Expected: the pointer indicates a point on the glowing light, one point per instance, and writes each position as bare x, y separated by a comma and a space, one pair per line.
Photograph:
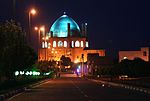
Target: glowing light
16, 73
123, 76
76, 61
78, 70
87, 44
47, 73
81, 43
60, 43
56, 52
42, 28
27, 73
46, 37
21, 72
77, 44
30, 73
125, 58
54, 43
65, 43
35, 73
103, 85
33, 11
36, 28
72, 43
43, 45
38, 73
46, 45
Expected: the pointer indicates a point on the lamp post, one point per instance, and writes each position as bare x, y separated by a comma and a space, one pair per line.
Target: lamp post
82, 65
31, 12
46, 46
39, 29
14, 9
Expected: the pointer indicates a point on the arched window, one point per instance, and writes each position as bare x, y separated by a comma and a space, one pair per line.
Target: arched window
43, 45
60, 43
77, 44
49, 45
81, 43
72, 43
87, 44
65, 43
46, 45
54, 43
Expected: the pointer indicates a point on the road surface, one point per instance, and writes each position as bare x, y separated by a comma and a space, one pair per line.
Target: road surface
78, 89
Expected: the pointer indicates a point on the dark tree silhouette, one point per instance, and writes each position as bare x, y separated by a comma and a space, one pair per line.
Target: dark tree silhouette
65, 61
15, 54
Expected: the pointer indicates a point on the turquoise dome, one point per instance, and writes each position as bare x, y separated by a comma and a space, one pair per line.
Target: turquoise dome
60, 27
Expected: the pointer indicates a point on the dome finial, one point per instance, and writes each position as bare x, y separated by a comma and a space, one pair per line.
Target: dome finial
64, 13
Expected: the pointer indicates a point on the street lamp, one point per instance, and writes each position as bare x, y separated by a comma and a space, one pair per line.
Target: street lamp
46, 46
14, 9
39, 29
31, 12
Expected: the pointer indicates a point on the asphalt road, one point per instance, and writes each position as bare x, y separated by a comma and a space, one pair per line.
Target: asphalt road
78, 89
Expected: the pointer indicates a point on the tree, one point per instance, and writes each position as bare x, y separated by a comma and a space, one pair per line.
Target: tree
136, 67
15, 54
46, 66
43, 66
65, 61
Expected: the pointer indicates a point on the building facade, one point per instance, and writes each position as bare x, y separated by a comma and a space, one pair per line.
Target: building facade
96, 62
131, 55
66, 38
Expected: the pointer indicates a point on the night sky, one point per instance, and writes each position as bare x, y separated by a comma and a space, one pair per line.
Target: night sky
112, 24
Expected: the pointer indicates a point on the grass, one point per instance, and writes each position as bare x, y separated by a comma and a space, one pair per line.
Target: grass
19, 82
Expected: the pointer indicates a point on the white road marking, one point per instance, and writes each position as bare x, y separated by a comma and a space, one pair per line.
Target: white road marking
86, 96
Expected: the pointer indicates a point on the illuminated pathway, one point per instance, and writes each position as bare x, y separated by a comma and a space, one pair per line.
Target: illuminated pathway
78, 89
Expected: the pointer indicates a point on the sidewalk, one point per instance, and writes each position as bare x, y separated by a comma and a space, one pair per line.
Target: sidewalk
122, 85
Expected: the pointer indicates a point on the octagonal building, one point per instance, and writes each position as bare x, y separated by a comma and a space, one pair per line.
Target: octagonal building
66, 38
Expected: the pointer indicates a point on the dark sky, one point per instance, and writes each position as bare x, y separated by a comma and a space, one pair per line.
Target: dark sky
112, 24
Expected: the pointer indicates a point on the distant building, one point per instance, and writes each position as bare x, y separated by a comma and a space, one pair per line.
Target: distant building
66, 38
131, 55
95, 61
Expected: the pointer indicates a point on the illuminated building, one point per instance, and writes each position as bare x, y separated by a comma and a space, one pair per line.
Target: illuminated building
66, 38
131, 55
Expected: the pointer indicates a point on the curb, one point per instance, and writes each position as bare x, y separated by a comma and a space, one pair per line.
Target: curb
11, 93
16, 91
140, 89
